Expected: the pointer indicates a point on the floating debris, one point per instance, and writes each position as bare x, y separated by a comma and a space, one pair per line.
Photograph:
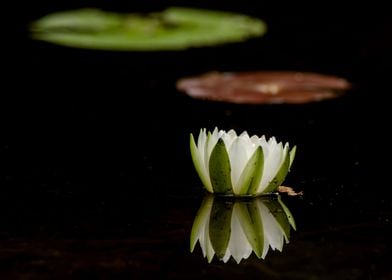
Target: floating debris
289, 191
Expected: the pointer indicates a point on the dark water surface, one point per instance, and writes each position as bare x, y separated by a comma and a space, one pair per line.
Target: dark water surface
96, 176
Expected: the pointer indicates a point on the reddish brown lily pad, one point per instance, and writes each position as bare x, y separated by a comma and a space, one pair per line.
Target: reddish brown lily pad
264, 87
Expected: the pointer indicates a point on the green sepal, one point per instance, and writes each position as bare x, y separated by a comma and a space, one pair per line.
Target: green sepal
220, 169
257, 173
198, 165
280, 175
292, 155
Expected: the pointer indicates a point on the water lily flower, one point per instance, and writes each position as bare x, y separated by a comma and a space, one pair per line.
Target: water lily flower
240, 165
237, 228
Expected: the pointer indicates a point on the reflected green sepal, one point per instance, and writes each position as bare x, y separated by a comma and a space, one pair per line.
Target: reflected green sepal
252, 223
279, 214
201, 218
220, 226
289, 216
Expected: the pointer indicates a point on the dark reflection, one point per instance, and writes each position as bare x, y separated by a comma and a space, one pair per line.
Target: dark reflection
237, 228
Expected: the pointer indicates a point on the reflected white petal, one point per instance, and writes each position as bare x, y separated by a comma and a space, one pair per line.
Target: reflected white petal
272, 230
239, 246
209, 250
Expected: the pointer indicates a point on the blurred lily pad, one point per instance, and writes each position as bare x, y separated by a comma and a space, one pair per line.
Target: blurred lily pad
175, 28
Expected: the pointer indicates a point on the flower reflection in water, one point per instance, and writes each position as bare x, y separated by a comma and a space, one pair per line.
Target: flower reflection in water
237, 227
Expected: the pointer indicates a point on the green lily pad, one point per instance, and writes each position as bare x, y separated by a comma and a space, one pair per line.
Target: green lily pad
172, 29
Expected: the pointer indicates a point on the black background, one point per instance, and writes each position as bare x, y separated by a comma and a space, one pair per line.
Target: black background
96, 176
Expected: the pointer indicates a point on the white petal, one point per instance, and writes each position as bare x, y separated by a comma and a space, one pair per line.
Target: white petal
232, 134
238, 160
201, 144
266, 148
229, 138
199, 139
212, 140
272, 141
254, 139
226, 257
249, 145
201, 147
198, 152
271, 164
244, 134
